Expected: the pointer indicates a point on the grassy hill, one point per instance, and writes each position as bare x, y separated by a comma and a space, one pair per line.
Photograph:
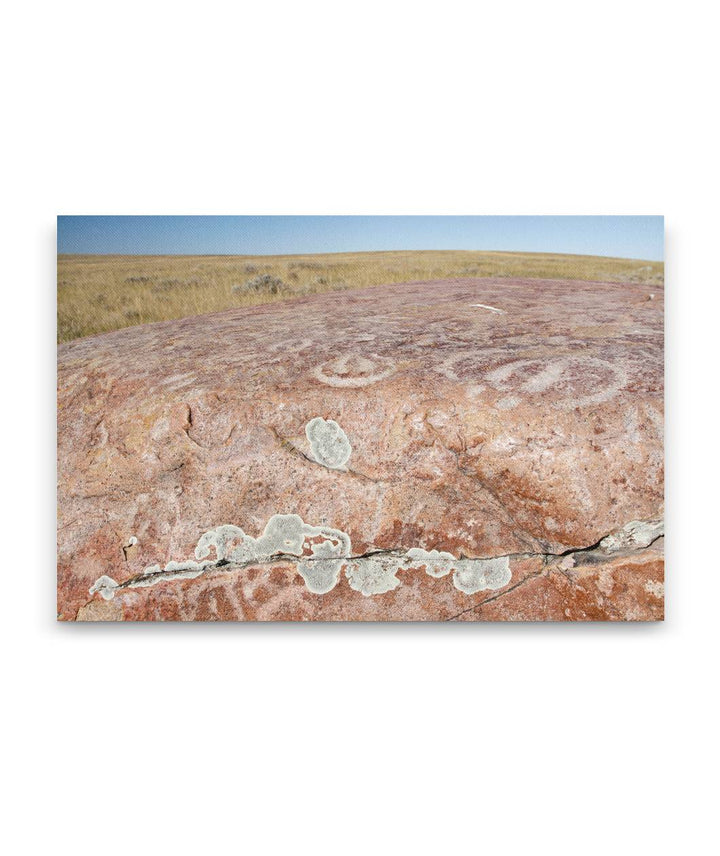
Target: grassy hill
97, 294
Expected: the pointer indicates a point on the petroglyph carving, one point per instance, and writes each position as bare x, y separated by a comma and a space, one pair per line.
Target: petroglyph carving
354, 370
560, 377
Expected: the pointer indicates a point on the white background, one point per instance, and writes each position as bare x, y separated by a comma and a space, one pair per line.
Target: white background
359, 739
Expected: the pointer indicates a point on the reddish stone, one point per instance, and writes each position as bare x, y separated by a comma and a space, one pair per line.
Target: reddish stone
534, 430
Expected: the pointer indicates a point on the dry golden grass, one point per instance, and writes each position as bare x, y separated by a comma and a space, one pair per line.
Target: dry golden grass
97, 294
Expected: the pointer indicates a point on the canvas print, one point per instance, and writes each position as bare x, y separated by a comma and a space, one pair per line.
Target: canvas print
360, 419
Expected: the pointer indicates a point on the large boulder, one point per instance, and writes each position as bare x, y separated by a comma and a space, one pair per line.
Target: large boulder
471, 449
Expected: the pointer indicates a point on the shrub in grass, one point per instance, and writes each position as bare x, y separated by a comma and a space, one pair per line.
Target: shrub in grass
264, 284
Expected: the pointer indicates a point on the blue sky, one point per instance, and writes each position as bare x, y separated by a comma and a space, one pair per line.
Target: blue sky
638, 237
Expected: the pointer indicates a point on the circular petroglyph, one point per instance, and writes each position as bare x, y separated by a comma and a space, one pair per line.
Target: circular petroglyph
354, 370
281, 346
567, 380
470, 365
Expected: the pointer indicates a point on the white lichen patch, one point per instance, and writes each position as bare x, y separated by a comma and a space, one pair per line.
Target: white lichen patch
374, 574
319, 547
474, 575
319, 554
223, 539
437, 564
172, 571
469, 575
656, 589
328, 443
105, 586
637, 534
321, 570
318, 551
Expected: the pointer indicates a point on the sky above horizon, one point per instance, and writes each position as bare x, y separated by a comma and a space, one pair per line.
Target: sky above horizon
637, 237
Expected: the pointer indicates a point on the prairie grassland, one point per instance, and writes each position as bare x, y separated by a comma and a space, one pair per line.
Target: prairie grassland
97, 294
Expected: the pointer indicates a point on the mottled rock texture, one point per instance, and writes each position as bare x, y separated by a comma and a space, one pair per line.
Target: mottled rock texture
478, 418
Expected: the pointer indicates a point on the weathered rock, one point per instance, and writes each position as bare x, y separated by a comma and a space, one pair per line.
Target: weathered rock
516, 421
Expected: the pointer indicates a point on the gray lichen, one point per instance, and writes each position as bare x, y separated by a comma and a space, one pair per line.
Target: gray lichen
635, 534
320, 553
374, 574
469, 575
105, 586
437, 564
172, 571
284, 535
328, 442
473, 575
321, 570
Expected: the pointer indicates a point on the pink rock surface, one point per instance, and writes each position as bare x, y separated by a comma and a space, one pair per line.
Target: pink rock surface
484, 418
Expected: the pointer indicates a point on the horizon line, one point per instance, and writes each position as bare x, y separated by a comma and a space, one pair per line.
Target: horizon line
361, 252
